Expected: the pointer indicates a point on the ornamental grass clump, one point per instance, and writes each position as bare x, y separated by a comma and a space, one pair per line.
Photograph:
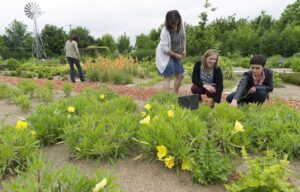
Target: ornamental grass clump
39, 177
17, 146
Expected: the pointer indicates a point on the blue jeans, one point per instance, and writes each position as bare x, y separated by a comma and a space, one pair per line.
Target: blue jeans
75, 61
259, 97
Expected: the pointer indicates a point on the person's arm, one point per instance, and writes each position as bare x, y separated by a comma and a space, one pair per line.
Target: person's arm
196, 79
219, 85
76, 49
184, 43
241, 87
164, 43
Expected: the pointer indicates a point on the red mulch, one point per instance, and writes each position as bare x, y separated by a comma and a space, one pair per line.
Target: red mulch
135, 92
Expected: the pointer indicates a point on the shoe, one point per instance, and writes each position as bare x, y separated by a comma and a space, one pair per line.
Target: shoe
83, 80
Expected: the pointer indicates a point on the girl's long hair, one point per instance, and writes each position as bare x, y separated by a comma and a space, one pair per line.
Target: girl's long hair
171, 18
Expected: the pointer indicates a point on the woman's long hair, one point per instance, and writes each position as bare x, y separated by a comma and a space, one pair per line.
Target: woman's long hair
207, 54
172, 17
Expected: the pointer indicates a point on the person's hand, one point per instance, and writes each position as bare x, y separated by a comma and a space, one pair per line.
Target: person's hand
184, 53
252, 90
178, 57
210, 88
234, 103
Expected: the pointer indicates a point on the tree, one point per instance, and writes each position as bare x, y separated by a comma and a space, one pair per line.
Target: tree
144, 42
108, 41
123, 44
54, 39
85, 38
290, 15
15, 38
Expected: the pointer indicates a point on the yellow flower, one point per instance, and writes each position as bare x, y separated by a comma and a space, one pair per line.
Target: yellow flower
171, 114
238, 128
185, 165
100, 185
102, 96
33, 133
21, 125
169, 162
143, 113
161, 151
145, 121
71, 109
147, 106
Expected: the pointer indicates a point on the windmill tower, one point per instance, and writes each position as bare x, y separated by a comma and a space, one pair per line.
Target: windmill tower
32, 10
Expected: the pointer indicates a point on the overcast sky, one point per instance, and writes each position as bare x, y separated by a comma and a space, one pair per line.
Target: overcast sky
132, 16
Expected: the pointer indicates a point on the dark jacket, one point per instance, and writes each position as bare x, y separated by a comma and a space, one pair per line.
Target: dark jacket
218, 80
247, 82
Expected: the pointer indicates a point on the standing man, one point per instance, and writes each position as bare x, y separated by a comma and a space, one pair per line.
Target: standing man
73, 57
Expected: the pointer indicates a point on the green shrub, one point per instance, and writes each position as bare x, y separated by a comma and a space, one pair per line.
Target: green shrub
106, 132
4, 91
277, 80
275, 127
173, 127
23, 102
93, 75
27, 87
296, 64
17, 147
143, 54
164, 98
274, 61
119, 77
45, 95
49, 123
293, 78
12, 64
39, 177
67, 89
210, 166
264, 174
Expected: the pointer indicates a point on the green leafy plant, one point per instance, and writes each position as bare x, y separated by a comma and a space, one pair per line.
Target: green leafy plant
12, 64
49, 123
39, 177
210, 166
16, 148
293, 78
277, 80
23, 102
106, 133
4, 91
67, 89
173, 127
265, 174
164, 98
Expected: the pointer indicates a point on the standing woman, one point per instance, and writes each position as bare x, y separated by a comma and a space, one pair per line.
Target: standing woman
207, 77
73, 57
171, 50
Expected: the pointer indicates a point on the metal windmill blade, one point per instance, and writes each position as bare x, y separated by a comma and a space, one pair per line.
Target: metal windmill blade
32, 10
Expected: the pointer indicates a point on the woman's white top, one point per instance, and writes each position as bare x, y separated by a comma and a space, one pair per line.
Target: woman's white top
161, 56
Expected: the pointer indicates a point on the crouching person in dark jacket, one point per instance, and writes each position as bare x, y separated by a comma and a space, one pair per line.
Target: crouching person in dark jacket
207, 77
255, 85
